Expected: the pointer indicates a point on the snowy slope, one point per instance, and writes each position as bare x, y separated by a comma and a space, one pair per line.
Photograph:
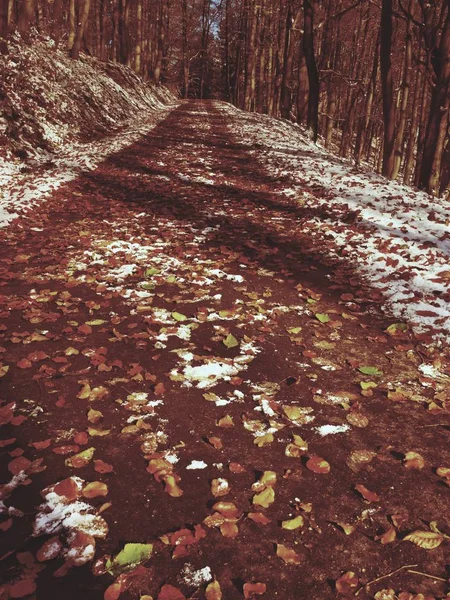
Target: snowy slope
59, 117
396, 237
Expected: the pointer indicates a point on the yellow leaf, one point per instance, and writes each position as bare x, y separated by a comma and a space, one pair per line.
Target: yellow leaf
264, 498
213, 591
293, 523
263, 440
425, 539
289, 556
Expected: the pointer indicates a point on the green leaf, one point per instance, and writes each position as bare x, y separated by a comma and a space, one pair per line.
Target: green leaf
96, 322
148, 286
171, 279
294, 330
368, 385
178, 316
323, 318
370, 371
230, 341
151, 271
130, 557
311, 301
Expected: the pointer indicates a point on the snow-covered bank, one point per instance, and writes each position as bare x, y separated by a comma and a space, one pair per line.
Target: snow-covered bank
59, 117
397, 238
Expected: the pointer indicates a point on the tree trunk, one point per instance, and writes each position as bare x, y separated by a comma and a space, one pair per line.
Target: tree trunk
56, 21
302, 89
387, 85
161, 42
72, 21
185, 49
313, 76
406, 83
81, 29
439, 110
413, 129
250, 80
288, 60
26, 14
138, 45
360, 142
3, 25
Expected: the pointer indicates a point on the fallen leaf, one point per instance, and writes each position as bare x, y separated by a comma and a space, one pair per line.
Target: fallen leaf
252, 589
346, 583
366, 370
366, 493
129, 557
425, 539
230, 341
169, 592
213, 591
265, 498
319, 465
95, 489
292, 524
289, 556
413, 460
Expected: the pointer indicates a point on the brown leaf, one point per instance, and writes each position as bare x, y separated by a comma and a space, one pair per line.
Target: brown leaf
102, 467
366, 493
347, 582
219, 487
319, 465
49, 550
236, 467
113, 591
259, 518
168, 592
252, 589
24, 587
19, 464
413, 460
289, 556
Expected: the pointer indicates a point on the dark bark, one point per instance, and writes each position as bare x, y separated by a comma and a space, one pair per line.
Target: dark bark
387, 85
313, 76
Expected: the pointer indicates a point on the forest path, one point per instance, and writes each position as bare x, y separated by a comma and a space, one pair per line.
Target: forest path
167, 329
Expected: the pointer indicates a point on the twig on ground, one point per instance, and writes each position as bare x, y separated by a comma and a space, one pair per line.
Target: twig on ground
427, 575
369, 583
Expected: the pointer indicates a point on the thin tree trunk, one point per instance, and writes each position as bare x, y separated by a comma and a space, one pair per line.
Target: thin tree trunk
360, 142
406, 83
439, 111
288, 60
72, 20
387, 85
250, 80
313, 76
138, 45
185, 49
413, 129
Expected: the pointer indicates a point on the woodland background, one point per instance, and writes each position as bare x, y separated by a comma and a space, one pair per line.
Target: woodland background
371, 77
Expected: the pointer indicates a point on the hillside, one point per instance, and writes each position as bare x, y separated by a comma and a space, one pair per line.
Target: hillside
59, 116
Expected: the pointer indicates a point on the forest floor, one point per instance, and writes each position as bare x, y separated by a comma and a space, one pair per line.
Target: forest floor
204, 399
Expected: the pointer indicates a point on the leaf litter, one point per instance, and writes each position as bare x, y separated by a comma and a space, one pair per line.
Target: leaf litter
205, 414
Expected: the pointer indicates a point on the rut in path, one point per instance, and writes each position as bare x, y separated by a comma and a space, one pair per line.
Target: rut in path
166, 315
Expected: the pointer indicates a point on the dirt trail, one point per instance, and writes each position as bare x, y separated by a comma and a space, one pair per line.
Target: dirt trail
166, 316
